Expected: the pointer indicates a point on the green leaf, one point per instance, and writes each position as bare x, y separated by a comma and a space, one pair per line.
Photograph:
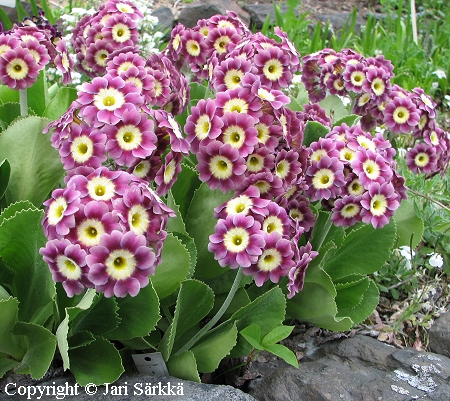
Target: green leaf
276, 335
175, 223
357, 300
35, 165
252, 334
9, 112
214, 347
194, 301
12, 209
101, 318
322, 228
183, 366
5, 172
21, 237
197, 91
363, 251
317, 305
138, 315
60, 103
409, 227
350, 120
40, 349
38, 94
313, 132
6, 364
184, 188
268, 311
98, 362
173, 269
9, 309
80, 339
63, 329
200, 223
284, 353
240, 300
334, 107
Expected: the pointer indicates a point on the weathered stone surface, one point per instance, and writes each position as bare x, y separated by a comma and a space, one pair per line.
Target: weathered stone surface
439, 335
132, 387
359, 369
166, 20
191, 13
338, 21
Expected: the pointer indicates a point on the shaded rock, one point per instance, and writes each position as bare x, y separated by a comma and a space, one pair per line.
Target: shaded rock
338, 21
259, 12
131, 387
166, 20
359, 369
439, 335
191, 13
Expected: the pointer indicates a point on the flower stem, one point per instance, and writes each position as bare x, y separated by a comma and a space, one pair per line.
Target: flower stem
323, 234
217, 316
23, 102
440, 204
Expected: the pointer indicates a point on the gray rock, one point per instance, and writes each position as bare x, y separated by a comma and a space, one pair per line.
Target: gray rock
338, 20
130, 387
190, 13
439, 335
166, 20
359, 369
259, 12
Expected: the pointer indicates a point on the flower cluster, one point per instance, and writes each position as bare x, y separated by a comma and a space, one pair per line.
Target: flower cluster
353, 173
117, 142
247, 141
367, 82
112, 27
105, 229
27, 49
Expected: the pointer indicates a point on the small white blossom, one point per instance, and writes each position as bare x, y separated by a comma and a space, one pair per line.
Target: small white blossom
435, 260
440, 74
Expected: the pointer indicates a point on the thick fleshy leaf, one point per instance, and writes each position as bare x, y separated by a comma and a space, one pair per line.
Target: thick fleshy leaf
324, 231
173, 269
316, 305
183, 366
59, 104
313, 132
21, 236
35, 165
200, 223
175, 223
184, 188
9, 309
363, 251
40, 349
357, 300
98, 362
138, 315
38, 94
102, 317
194, 301
268, 311
214, 347
350, 120
9, 112
334, 107
409, 227
5, 172
6, 364
63, 329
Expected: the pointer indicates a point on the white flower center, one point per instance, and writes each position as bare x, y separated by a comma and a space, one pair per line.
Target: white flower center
109, 99
269, 260
221, 167
323, 179
90, 231
240, 205
233, 78
68, 267
378, 205
101, 188
273, 69
138, 219
236, 240
17, 69
129, 137
273, 224
56, 210
120, 264
82, 149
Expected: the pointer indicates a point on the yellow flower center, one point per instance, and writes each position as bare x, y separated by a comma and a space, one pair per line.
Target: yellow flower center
120, 264
236, 240
90, 231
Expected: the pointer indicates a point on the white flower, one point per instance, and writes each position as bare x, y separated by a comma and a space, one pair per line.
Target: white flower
440, 74
435, 260
408, 254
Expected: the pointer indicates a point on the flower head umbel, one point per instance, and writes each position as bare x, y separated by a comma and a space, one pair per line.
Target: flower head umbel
120, 264
67, 263
237, 241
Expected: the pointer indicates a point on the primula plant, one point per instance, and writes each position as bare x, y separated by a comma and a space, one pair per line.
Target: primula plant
198, 206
